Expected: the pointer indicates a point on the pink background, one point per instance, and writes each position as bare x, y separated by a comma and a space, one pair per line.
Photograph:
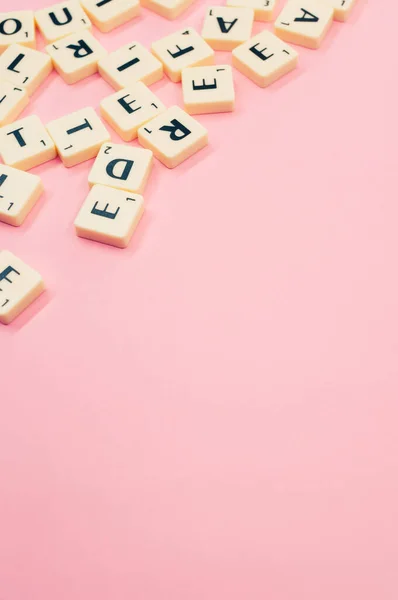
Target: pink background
212, 413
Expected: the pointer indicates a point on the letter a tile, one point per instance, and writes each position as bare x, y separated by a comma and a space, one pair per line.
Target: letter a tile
226, 27
173, 136
19, 286
304, 22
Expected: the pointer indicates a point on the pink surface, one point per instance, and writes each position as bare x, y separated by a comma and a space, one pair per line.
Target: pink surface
212, 413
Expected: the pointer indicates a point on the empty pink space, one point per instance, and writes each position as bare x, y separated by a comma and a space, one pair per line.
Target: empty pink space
211, 414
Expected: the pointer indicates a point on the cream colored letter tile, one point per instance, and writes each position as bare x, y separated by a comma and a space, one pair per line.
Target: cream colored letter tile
17, 28
26, 144
128, 109
342, 8
19, 193
170, 9
76, 56
263, 9
225, 27
208, 89
129, 64
109, 14
78, 136
182, 49
173, 136
60, 20
13, 100
122, 167
19, 286
25, 67
304, 22
264, 59
109, 216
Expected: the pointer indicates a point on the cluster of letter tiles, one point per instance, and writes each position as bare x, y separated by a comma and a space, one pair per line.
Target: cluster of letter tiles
117, 179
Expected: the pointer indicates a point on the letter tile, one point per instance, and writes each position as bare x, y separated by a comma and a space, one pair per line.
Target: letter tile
61, 20
173, 136
77, 56
264, 58
19, 286
208, 89
121, 167
129, 64
169, 9
226, 27
78, 136
17, 28
109, 216
128, 109
304, 22
342, 8
182, 49
263, 9
19, 193
109, 14
25, 67
13, 100
26, 144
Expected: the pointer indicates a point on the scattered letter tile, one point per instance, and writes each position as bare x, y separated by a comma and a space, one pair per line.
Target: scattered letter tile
109, 216
60, 20
263, 9
173, 136
182, 49
19, 193
78, 136
122, 167
304, 22
170, 9
19, 286
342, 8
226, 27
208, 89
25, 67
129, 64
76, 56
13, 100
26, 144
17, 28
264, 59
109, 14
128, 109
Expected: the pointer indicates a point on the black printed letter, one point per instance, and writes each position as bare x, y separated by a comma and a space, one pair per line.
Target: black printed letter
173, 128
55, 19
81, 49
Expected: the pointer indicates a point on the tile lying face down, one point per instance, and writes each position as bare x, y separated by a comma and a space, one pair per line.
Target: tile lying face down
173, 136
109, 14
20, 285
130, 63
25, 67
19, 193
185, 48
208, 89
76, 56
26, 144
264, 59
127, 110
264, 10
304, 22
17, 27
226, 27
78, 136
122, 167
109, 216
170, 9
13, 100
62, 19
